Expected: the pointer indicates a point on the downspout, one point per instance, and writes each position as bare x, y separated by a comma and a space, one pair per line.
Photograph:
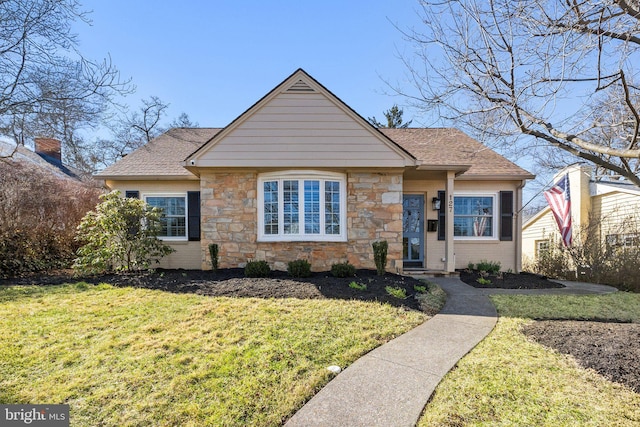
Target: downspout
518, 224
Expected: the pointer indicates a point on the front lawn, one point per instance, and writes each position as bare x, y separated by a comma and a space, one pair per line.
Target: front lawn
125, 356
510, 380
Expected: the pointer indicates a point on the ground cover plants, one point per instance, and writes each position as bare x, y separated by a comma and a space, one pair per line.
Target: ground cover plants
136, 356
520, 375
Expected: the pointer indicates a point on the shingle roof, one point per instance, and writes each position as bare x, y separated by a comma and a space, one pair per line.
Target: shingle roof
449, 146
163, 156
432, 147
44, 162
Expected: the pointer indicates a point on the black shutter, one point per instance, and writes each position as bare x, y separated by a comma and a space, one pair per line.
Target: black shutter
506, 215
193, 210
132, 194
442, 214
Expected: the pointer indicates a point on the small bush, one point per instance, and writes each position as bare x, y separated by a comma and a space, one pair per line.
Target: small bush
396, 292
380, 256
358, 286
299, 268
257, 269
213, 251
343, 269
420, 289
489, 266
483, 281
471, 266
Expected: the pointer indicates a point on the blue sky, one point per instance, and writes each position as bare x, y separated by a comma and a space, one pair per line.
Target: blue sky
214, 59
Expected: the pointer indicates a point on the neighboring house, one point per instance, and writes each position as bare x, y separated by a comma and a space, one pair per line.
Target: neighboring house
300, 175
47, 157
612, 206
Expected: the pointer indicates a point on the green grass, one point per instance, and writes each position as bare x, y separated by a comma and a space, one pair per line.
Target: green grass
124, 356
509, 380
617, 307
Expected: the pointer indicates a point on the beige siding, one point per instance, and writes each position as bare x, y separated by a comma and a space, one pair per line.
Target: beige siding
301, 130
466, 251
188, 255
619, 213
543, 228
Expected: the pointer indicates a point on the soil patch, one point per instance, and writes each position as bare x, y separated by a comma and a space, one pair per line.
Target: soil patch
232, 283
611, 349
509, 281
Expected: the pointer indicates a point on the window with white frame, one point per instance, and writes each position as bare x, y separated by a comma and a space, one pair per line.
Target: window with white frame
474, 216
542, 247
174, 214
302, 206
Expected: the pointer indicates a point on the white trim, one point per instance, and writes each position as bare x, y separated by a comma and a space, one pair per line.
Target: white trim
494, 221
302, 175
144, 196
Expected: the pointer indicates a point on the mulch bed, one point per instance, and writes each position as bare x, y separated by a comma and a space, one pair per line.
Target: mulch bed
509, 281
233, 283
612, 349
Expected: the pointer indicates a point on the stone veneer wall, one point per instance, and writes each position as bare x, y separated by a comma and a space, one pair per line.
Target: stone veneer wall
229, 218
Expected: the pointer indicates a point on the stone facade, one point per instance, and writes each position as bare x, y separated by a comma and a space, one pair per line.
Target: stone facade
229, 218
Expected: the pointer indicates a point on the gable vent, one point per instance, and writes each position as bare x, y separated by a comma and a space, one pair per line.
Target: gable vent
300, 86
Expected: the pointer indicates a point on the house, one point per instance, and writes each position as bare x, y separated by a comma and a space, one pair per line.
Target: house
47, 157
611, 206
300, 175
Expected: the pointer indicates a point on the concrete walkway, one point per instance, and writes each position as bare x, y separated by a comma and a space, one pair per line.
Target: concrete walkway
391, 385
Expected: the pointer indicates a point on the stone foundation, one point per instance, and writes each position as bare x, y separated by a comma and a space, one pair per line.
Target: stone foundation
229, 218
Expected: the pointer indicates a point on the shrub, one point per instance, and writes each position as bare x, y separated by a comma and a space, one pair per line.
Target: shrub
120, 235
380, 256
213, 252
343, 269
420, 289
299, 268
396, 292
358, 286
488, 266
257, 269
39, 214
483, 281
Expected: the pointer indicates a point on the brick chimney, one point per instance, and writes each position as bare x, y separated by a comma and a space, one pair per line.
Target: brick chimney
48, 147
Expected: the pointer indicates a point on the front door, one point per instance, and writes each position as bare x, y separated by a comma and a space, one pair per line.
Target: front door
413, 230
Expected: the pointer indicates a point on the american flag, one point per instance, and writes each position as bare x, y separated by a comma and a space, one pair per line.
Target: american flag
559, 199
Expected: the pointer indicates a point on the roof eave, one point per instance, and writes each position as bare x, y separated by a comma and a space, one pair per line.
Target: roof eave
147, 177
496, 177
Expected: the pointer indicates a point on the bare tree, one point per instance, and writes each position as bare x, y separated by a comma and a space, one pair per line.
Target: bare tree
46, 84
133, 130
563, 72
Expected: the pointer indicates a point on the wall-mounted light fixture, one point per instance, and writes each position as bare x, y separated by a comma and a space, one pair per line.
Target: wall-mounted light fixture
435, 204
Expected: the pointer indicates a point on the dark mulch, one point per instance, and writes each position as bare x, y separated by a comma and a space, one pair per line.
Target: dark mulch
509, 281
611, 349
231, 282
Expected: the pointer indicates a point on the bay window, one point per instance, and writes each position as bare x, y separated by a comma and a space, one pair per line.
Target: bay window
301, 206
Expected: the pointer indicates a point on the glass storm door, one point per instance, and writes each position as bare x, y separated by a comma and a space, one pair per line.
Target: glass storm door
413, 230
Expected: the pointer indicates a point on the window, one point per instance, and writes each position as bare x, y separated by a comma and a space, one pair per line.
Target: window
174, 215
473, 216
305, 206
628, 240
542, 248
